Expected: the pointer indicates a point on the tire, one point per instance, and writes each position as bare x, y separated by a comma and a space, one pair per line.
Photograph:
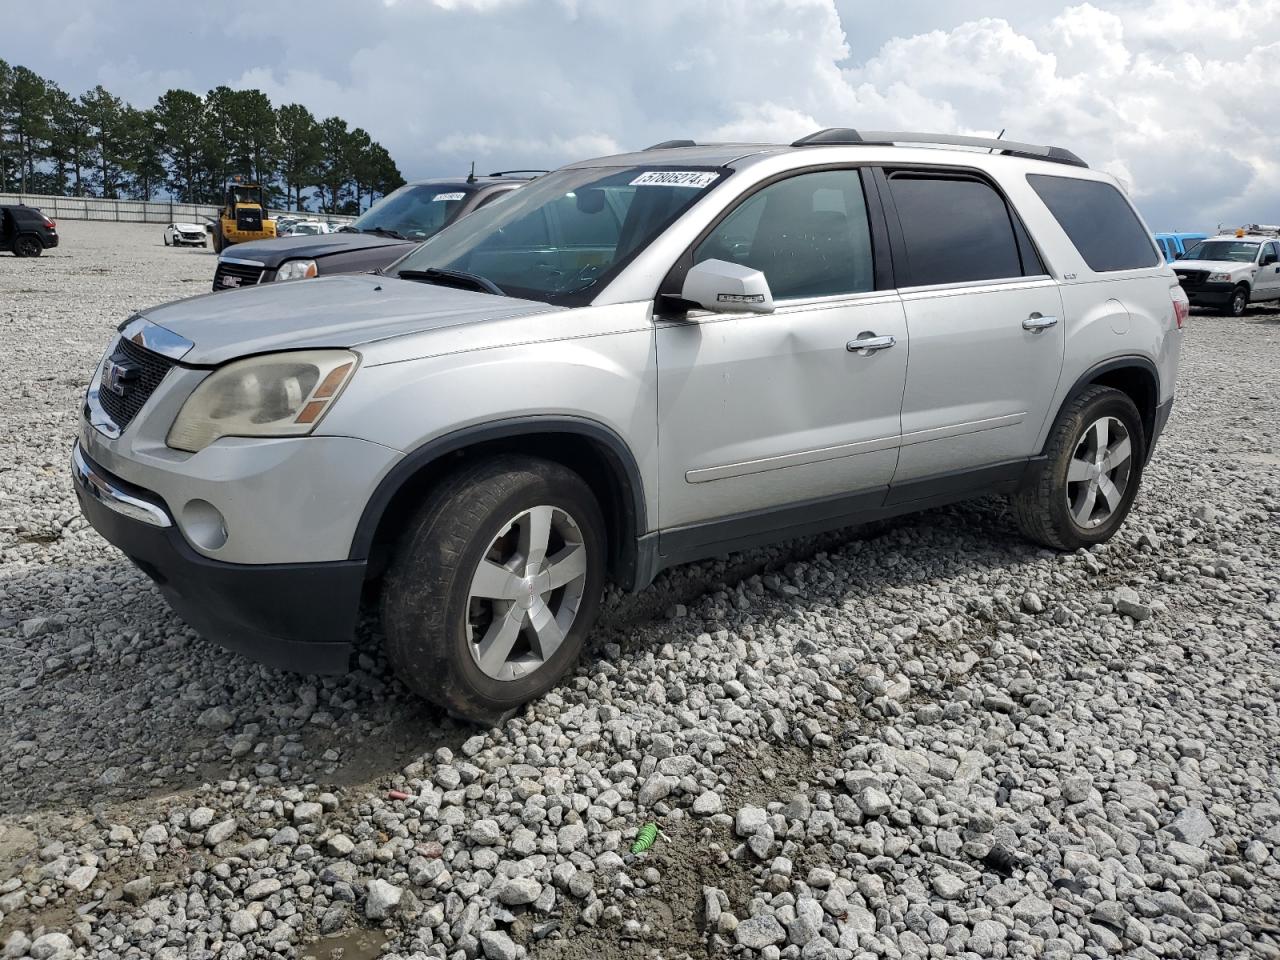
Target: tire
166, 240
1050, 511
27, 245
436, 629
1239, 302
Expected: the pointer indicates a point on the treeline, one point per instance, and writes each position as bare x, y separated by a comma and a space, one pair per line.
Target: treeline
186, 147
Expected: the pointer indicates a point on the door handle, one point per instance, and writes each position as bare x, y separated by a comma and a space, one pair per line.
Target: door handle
1035, 323
867, 344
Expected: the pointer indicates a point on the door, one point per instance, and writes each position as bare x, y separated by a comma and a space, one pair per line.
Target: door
1266, 282
985, 322
755, 411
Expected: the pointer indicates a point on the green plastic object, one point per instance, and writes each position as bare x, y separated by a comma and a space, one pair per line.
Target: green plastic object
645, 838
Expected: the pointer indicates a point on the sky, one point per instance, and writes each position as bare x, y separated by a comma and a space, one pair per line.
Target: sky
1180, 99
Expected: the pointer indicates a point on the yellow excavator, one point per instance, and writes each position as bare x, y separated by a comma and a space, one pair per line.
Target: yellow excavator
243, 215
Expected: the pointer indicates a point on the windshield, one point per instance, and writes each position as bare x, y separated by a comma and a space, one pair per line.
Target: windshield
415, 211
565, 233
1233, 250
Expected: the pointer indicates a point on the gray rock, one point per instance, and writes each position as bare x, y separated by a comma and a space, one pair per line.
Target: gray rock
759, 932
219, 832
873, 801
518, 891
749, 821
216, 718
708, 804
382, 899
1192, 826
498, 946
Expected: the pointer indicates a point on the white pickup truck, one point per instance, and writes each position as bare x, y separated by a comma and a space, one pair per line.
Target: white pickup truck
1231, 271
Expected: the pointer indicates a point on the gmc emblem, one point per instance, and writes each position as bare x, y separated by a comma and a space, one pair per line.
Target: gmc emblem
117, 376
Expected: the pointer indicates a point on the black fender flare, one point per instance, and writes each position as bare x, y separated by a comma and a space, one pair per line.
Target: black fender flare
1104, 367
621, 461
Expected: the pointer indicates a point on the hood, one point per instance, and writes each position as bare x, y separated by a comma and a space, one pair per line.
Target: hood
1213, 266
277, 251
344, 310
190, 227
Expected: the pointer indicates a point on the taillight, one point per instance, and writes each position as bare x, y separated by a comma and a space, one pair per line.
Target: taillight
51, 224
1181, 308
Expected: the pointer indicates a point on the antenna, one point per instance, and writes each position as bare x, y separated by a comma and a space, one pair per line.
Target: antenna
999, 136
471, 177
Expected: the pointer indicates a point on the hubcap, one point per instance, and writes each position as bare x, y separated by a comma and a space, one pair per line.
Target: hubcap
1099, 472
526, 592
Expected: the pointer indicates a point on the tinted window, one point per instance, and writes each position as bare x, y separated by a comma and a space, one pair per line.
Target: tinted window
956, 230
588, 219
808, 235
1098, 220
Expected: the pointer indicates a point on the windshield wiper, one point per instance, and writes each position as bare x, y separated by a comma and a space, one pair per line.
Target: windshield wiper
347, 228
453, 278
384, 232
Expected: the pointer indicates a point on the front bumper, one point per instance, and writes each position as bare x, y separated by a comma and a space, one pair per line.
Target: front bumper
293, 616
1209, 294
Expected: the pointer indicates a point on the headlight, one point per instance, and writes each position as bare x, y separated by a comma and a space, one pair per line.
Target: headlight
1219, 278
297, 270
277, 395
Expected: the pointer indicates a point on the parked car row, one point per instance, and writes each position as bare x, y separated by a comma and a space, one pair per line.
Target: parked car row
630, 363
381, 235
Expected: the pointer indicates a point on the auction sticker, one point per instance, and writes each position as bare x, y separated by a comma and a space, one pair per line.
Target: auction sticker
676, 178
447, 196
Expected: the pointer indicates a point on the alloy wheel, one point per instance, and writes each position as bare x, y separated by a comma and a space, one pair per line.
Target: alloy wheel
1099, 472
525, 593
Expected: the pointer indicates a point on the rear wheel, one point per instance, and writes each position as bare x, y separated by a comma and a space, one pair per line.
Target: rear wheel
1095, 457
1238, 303
27, 245
494, 586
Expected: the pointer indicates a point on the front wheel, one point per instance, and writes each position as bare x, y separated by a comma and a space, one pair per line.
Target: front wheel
494, 586
1094, 465
27, 246
1238, 303
166, 240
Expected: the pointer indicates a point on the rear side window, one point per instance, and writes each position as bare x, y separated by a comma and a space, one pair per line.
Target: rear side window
956, 230
1098, 220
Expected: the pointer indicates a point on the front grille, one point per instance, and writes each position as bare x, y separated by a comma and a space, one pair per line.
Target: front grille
193, 236
147, 369
1192, 278
231, 276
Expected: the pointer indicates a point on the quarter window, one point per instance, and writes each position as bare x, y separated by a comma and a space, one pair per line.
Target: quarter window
1098, 220
955, 229
807, 234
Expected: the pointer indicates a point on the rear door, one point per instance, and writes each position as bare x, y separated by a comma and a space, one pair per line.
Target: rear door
985, 322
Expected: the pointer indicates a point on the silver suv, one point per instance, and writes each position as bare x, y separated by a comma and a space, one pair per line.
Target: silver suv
631, 363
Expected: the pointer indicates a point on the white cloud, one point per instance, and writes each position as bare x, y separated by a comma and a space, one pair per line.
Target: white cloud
1172, 95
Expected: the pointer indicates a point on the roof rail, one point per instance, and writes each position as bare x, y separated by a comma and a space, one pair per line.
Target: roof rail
671, 144
507, 173
847, 136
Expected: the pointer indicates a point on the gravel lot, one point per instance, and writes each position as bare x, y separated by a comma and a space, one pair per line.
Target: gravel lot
927, 739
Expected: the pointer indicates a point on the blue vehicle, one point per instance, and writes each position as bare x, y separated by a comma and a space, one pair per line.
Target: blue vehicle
1175, 245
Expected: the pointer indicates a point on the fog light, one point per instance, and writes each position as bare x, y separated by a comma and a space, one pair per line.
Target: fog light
204, 525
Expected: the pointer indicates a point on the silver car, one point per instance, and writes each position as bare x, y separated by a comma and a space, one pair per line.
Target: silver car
633, 362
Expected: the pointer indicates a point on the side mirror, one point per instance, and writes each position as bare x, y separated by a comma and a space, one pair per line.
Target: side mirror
1178, 256
724, 287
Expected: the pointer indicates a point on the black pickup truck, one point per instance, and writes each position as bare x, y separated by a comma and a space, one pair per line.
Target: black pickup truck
382, 234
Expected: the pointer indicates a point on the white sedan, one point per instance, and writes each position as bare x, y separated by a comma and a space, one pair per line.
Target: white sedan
178, 234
